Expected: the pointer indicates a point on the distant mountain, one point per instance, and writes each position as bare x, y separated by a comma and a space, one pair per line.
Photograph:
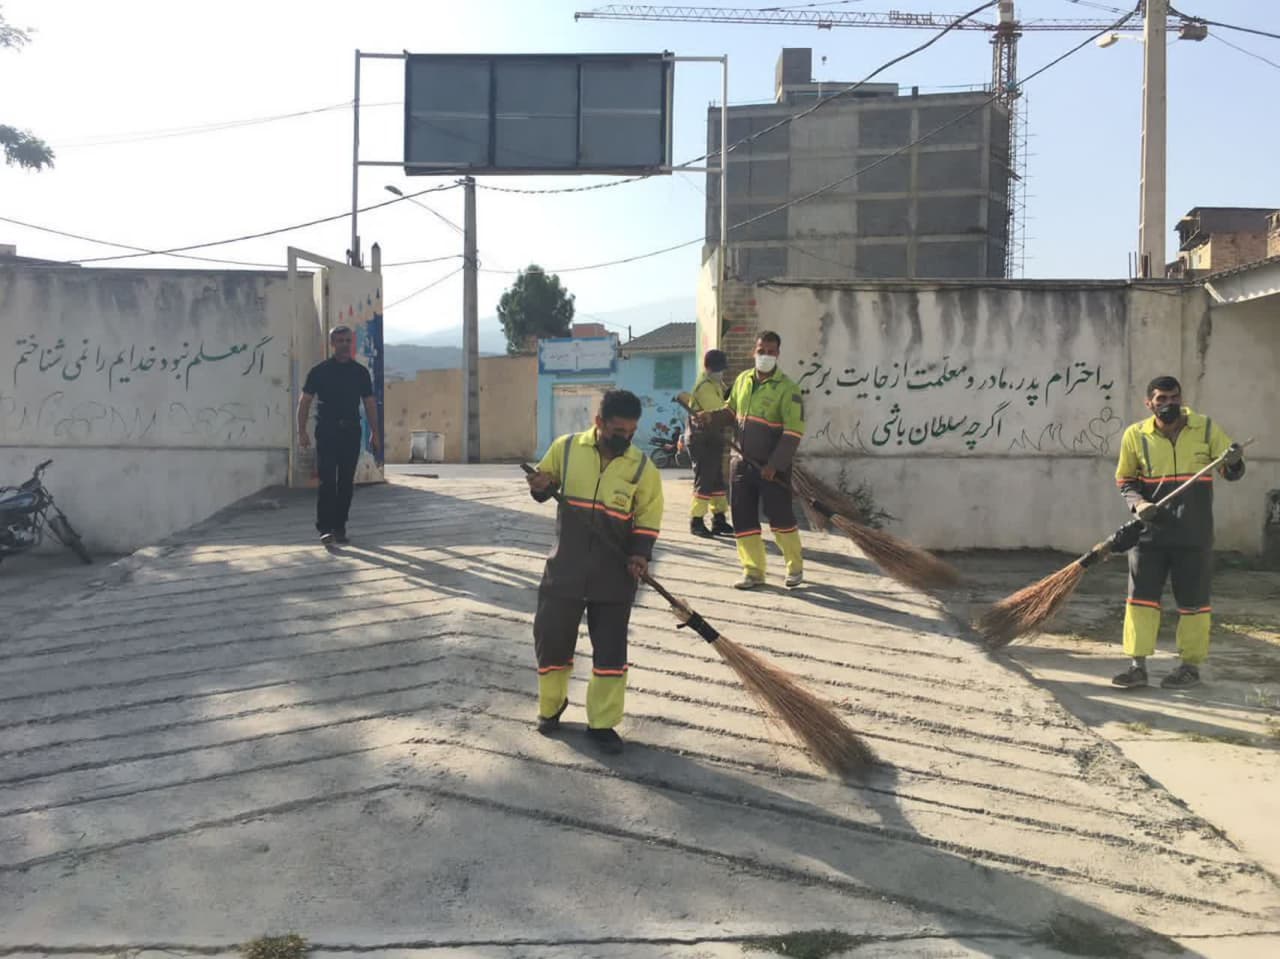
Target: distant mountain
406, 359
638, 319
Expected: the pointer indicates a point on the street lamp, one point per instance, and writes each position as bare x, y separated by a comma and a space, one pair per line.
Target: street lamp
440, 216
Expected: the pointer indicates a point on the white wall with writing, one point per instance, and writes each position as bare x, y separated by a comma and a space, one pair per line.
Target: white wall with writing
143, 358
959, 371
161, 395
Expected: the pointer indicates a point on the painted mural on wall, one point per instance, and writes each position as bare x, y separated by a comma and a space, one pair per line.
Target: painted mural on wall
355, 299
936, 373
164, 362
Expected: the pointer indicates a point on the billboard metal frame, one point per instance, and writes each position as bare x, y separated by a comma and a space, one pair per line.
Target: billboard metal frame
444, 169
493, 169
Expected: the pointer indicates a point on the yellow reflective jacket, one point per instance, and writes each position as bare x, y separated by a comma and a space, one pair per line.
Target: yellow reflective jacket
707, 396
621, 501
1151, 466
770, 415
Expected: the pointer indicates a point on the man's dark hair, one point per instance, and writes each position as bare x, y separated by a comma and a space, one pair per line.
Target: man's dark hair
1166, 384
620, 404
768, 336
339, 329
715, 360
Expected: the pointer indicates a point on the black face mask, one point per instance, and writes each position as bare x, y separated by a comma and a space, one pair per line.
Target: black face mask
616, 443
1169, 413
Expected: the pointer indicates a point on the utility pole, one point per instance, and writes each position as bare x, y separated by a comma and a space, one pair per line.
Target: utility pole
1151, 216
470, 330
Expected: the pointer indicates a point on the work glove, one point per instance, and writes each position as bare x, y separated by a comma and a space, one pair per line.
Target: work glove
1152, 514
1234, 455
1126, 537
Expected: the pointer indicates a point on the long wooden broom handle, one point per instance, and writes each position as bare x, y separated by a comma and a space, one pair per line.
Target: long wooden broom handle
1103, 550
1214, 465
733, 443
617, 550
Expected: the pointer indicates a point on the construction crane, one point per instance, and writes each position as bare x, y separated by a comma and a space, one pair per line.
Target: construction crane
1005, 30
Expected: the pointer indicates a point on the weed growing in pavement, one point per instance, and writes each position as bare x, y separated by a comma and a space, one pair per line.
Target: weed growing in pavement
291, 946
818, 944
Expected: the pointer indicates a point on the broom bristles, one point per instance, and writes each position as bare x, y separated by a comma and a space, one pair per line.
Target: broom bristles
1024, 611
811, 720
908, 564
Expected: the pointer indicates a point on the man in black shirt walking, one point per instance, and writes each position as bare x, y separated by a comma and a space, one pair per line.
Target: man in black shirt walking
342, 385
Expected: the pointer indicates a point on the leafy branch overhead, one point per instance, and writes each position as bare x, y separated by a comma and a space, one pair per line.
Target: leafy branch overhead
535, 307
21, 147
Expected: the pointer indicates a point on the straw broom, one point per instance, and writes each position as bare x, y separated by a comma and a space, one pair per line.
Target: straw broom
827, 508
1026, 610
811, 720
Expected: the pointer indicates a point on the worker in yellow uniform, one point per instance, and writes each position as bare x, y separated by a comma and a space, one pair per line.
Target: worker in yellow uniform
1156, 455
706, 446
614, 492
766, 407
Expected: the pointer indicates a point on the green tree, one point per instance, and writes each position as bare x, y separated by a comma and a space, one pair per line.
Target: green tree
21, 148
536, 305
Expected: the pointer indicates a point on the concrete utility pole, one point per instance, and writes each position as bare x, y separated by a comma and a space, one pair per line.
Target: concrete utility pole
470, 330
1151, 217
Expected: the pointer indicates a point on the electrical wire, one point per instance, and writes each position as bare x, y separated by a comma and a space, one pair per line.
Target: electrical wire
431, 285
1248, 53
256, 236
844, 179
1225, 26
171, 132
842, 92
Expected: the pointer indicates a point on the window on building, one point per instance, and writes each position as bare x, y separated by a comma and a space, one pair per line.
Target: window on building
668, 372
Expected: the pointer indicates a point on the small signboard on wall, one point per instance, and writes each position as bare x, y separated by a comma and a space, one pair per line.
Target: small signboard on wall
587, 354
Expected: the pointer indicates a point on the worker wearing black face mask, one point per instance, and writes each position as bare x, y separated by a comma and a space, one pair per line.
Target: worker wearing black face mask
612, 487
1156, 455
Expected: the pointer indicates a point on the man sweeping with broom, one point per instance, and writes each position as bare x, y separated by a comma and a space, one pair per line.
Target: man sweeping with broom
1156, 455
767, 408
615, 494
706, 446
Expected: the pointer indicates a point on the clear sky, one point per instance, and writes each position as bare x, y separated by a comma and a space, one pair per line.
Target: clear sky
100, 80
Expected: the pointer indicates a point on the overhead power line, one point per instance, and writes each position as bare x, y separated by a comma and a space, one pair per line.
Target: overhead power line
842, 92
256, 236
171, 132
844, 179
1224, 26
432, 284
1247, 53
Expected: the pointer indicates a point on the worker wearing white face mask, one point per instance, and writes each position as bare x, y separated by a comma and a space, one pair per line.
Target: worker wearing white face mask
706, 446
767, 407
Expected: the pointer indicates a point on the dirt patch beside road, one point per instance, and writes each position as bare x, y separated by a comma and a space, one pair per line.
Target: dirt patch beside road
1216, 746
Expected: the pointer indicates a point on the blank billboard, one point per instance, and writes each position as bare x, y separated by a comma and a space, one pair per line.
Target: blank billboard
590, 113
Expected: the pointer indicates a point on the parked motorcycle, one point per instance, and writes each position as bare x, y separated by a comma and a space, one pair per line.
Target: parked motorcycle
24, 515
670, 451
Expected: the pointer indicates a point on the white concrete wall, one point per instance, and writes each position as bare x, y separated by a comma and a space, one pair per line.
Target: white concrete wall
161, 396
990, 416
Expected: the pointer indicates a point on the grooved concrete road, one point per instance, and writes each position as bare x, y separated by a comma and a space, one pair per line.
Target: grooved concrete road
239, 733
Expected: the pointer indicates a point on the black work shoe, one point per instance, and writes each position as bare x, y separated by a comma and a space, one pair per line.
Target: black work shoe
326, 538
340, 536
720, 526
550, 724
606, 740
1131, 678
1184, 677
698, 527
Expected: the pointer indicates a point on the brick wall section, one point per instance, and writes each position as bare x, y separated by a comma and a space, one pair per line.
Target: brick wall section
1229, 250
738, 326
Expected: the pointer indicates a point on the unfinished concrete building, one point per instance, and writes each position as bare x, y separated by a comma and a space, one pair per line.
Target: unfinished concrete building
907, 185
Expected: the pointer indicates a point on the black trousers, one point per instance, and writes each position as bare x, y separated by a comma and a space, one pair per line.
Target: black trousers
748, 491
337, 452
707, 450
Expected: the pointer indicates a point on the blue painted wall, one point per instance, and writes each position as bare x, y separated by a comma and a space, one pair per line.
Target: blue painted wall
635, 373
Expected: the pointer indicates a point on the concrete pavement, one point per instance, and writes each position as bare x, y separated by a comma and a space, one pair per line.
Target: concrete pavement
239, 733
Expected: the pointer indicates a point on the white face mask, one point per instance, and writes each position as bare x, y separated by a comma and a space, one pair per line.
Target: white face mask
765, 363
717, 377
